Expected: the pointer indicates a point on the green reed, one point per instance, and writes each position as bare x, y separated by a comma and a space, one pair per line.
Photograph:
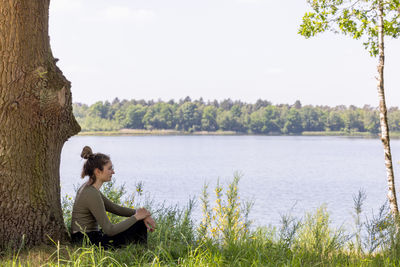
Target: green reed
224, 237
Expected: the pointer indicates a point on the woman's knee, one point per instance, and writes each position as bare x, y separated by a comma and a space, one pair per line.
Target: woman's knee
141, 225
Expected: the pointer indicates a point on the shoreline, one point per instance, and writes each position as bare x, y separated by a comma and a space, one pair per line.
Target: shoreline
141, 132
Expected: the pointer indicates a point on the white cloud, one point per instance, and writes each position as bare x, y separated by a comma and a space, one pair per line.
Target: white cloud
274, 71
80, 69
65, 5
249, 1
121, 13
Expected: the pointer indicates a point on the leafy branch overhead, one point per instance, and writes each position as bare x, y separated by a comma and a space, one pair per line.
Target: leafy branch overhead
355, 18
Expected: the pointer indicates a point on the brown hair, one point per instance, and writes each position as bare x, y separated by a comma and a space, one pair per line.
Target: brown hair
93, 161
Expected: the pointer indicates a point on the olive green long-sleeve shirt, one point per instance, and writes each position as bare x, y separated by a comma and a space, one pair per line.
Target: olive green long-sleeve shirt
89, 211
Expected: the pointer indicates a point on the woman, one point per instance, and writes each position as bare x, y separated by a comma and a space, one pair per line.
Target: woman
89, 210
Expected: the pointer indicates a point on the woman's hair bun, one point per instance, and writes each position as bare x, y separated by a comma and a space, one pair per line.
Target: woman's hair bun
86, 152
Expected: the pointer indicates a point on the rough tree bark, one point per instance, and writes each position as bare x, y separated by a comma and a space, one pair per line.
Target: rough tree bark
35, 120
383, 115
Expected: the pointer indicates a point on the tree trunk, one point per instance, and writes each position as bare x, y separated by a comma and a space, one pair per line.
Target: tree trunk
35, 120
383, 116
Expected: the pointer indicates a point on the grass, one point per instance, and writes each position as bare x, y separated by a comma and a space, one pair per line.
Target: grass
152, 132
225, 237
341, 133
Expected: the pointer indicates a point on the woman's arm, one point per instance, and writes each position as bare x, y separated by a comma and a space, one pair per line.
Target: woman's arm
96, 206
116, 209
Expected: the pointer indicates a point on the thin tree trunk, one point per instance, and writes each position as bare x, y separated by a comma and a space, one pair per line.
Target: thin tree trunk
383, 116
35, 120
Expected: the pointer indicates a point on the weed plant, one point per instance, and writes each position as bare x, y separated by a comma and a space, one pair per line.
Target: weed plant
224, 237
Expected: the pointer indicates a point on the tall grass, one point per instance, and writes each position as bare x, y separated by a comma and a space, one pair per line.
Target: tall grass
224, 237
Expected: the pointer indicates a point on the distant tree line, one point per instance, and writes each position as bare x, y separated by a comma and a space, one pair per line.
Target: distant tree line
261, 117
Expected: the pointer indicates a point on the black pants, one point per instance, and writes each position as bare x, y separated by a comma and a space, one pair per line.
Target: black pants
136, 234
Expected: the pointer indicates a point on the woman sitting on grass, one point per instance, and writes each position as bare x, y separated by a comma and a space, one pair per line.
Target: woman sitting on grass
89, 210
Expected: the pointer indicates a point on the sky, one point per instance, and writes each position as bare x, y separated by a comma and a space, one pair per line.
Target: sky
215, 49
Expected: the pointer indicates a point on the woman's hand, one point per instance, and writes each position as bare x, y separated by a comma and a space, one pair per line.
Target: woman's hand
141, 214
150, 224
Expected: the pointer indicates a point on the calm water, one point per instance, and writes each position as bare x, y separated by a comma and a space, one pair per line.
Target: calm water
281, 174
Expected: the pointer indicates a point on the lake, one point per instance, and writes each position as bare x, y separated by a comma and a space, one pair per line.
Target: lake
281, 174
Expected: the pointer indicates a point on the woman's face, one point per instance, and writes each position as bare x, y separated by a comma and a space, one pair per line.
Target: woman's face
107, 172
